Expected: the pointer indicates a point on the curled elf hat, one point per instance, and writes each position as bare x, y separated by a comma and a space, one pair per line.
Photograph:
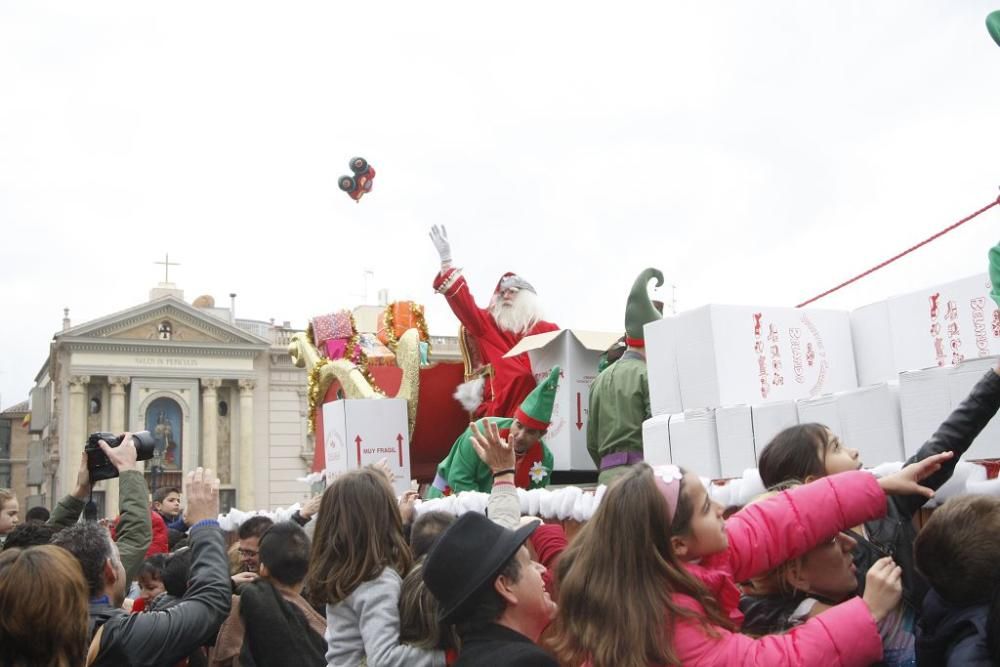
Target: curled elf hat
536, 409
994, 256
993, 26
640, 311
668, 482
513, 281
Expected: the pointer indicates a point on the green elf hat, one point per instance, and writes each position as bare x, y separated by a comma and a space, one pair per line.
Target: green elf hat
536, 409
640, 310
993, 25
994, 256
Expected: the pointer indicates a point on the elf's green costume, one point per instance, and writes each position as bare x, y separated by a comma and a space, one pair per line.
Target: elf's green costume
619, 397
463, 470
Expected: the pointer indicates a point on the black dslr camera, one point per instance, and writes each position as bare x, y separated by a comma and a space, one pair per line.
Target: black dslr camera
99, 465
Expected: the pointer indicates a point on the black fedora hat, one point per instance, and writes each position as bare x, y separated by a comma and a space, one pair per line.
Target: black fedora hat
466, 556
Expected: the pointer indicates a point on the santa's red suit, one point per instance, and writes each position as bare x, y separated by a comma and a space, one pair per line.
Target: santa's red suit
512, 378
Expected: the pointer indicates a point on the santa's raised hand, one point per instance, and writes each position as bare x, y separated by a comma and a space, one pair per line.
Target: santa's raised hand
439, 237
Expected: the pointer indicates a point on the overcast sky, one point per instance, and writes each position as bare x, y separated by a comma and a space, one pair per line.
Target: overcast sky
757, 152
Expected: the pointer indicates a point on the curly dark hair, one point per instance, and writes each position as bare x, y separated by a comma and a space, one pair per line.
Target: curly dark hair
30, 535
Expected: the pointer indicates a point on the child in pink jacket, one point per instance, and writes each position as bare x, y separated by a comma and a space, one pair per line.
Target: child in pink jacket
651, 578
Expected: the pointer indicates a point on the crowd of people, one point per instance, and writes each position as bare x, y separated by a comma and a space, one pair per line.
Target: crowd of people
827, 567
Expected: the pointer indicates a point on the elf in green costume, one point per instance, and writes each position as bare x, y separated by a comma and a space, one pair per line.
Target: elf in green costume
619, 397
463, 470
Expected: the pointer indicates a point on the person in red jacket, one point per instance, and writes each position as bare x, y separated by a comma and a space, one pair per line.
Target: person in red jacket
512, 314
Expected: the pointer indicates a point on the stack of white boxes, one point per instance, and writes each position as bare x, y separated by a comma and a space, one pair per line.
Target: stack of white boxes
724, 380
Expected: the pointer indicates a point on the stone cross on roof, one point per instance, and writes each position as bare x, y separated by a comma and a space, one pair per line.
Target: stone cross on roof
166, 267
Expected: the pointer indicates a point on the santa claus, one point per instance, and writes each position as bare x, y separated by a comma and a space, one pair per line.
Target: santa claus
513, 313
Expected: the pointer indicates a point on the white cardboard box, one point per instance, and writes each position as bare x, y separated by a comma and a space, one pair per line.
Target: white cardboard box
928, 396
924, 402
656, 440
694, 444
737, 449
577, 353
941, 325
867, 419
961, 380
731, 355
661, 367
872, 338
770, 419
358, 432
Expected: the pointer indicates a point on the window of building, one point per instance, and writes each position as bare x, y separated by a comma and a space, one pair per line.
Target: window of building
227, 500
223, 408
95, 405
4, 441
165, 331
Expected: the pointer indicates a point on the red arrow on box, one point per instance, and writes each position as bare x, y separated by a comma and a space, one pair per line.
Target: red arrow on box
357, 441
579, 413
399, 444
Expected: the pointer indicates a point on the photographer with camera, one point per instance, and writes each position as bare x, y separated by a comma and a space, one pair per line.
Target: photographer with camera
135, 532
155, 637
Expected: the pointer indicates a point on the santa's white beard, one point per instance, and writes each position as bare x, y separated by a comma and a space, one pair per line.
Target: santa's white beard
519, 315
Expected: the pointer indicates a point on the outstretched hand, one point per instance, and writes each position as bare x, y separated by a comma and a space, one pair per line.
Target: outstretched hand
439, 237
491, 448
906, 481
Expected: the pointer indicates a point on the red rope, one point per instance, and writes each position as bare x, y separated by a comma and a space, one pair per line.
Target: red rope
902, 254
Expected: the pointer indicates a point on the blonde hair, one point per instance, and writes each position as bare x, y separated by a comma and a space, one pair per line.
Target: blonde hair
6, 495
43, 608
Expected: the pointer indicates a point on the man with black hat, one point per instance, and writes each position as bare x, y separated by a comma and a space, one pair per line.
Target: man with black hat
488, 586
619, 397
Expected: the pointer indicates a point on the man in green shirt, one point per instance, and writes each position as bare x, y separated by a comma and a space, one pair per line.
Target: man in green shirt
619, 397
463, 470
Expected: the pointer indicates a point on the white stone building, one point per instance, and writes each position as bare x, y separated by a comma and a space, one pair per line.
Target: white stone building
217, 392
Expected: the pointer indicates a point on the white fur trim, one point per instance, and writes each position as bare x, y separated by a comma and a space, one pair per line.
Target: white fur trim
470, 394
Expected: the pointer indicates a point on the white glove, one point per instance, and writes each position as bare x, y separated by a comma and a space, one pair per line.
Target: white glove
439, 237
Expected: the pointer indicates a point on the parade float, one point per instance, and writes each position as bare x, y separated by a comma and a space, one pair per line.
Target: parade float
396, 361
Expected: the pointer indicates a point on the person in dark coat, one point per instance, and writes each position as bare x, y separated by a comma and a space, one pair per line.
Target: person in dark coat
958, 551
487, 584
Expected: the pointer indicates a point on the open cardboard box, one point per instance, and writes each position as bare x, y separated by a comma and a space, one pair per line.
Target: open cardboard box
576, 353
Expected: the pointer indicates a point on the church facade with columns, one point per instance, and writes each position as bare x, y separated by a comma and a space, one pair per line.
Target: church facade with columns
213, 391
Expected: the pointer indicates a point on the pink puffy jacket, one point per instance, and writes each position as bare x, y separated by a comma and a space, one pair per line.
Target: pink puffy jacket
761, 537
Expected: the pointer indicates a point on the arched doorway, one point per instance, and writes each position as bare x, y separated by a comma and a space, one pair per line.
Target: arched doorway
165, 421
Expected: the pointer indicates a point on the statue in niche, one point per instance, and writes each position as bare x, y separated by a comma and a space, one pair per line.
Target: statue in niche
163, 420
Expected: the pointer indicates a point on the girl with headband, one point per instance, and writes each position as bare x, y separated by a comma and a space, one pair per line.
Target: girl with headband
651, 578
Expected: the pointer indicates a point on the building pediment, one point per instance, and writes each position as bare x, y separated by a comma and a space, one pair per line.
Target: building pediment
164, 320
